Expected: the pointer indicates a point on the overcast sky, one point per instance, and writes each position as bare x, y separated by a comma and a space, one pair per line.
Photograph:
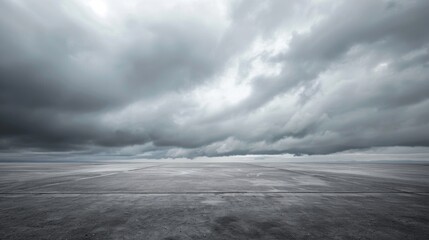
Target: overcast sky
212, 78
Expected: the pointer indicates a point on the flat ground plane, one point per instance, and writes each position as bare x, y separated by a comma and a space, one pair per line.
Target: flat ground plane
195, 200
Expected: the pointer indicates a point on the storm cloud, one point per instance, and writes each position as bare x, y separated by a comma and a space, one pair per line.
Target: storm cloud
212, 78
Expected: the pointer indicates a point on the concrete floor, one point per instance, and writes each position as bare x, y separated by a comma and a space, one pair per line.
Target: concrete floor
173, 200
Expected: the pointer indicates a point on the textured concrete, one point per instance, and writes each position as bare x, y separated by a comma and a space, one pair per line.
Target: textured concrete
255, 200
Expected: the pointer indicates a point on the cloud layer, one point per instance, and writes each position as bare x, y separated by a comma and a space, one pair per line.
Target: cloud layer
212, 78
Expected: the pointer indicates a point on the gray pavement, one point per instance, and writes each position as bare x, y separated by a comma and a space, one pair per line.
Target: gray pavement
197, 200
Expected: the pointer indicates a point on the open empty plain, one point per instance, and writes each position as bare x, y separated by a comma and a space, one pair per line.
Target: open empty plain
196, 200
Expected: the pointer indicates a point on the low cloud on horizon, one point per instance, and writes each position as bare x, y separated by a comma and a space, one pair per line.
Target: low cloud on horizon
185, 79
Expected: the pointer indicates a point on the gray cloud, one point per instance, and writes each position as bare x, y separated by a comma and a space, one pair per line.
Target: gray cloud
102, 78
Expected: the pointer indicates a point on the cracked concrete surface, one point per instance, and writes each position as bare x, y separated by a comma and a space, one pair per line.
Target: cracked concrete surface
195, 200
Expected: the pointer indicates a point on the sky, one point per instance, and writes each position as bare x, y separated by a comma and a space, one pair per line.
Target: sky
196, 78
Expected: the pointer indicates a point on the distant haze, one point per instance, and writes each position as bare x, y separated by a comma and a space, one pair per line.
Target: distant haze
186, 79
